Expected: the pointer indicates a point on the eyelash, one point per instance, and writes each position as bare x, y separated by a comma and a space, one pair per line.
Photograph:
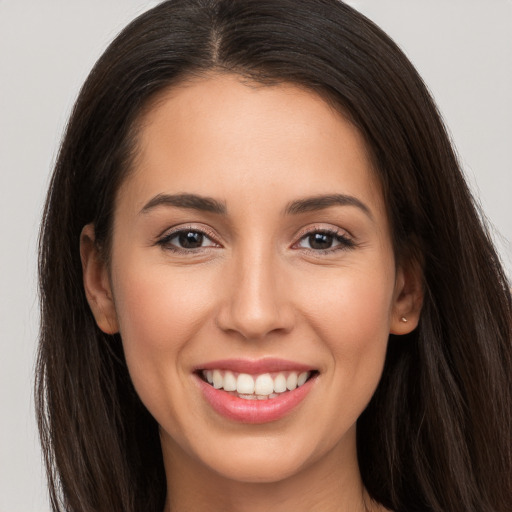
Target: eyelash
345, 243
165, 241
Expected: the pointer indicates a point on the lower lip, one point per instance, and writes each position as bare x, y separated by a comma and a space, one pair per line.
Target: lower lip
254, 411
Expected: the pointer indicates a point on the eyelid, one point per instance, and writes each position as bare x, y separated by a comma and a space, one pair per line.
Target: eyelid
208, 232
169, 233
323, 228
335, 231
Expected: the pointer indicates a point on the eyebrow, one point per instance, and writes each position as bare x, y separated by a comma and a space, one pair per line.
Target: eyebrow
208, 204
309, 204
190, 201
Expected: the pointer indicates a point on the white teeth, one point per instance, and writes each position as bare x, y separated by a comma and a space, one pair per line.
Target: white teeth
291, 381
229, 382
280, 383
303, 377
217, 379
264, 384
260, 387
245, 384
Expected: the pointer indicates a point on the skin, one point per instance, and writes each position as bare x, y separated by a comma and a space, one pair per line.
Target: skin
255, 289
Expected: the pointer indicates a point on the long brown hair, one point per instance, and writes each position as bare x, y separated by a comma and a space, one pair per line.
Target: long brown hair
437, 435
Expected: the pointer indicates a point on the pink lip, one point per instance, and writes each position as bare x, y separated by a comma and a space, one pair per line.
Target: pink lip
255, 367
254, 411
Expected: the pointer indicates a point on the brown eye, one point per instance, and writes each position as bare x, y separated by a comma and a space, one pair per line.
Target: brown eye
186, 240
190, 239
320, 241
325, 241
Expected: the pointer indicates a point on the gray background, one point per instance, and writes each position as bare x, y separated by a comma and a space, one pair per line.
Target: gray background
462, 48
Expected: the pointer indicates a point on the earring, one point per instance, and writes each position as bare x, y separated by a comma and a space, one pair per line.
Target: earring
403, 319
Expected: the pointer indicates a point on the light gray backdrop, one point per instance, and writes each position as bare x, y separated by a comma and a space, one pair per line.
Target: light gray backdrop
463, 49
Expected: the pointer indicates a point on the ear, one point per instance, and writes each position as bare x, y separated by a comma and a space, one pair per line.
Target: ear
408, 299
97, 283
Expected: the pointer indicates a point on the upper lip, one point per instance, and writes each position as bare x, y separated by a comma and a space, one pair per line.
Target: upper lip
255, 366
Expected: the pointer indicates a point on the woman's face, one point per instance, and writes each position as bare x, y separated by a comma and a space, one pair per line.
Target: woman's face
250, 246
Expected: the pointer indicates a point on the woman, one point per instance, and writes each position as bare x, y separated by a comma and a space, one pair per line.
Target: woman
264, 282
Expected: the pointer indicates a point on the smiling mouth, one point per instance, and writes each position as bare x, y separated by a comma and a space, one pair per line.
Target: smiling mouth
265, 386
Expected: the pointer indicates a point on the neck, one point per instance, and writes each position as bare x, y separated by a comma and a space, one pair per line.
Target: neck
330, 484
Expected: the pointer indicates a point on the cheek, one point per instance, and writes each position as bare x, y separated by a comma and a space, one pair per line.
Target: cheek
159, 312
350, 313
162, 305
350, 304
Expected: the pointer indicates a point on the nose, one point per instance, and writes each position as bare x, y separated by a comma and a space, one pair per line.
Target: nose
257, 301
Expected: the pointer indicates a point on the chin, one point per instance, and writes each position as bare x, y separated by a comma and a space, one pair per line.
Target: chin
263, 461
257, 470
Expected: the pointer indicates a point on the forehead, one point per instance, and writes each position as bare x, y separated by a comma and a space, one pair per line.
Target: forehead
234, 140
